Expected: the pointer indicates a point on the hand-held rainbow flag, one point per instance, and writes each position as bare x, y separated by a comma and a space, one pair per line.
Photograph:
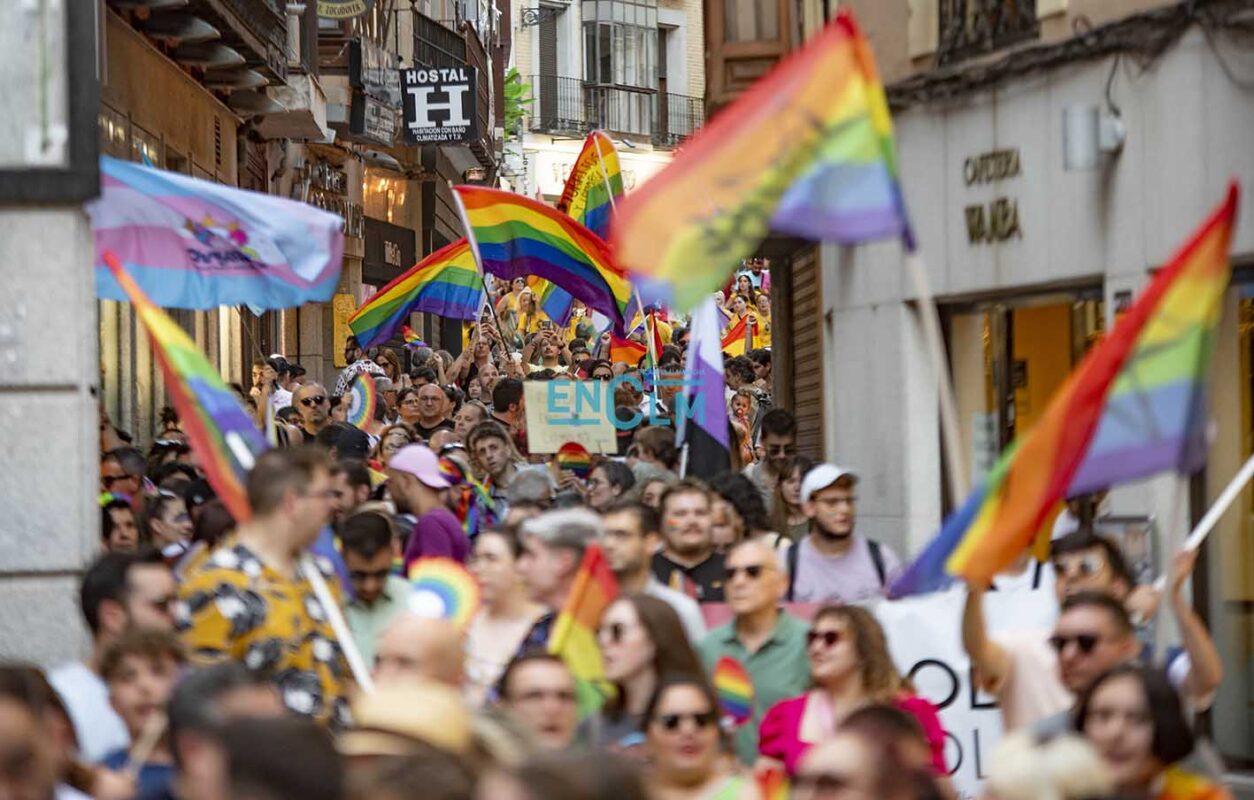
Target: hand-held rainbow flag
627, 351
1133, 407
445, 283
739, 337
518, 237
574, 634
576, 458
734, 688
443, 589
586, 197
190, 243
806, 150
220, 432
363, 397
412, 340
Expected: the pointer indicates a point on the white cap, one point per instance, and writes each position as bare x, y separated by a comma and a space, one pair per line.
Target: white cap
821, 477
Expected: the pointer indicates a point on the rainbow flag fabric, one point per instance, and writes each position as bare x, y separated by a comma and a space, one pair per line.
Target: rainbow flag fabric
190, 243
586, 197
738, 339
518, 237
1133, 407
627, 351
220, 432
445, 283
574, 634
807, 150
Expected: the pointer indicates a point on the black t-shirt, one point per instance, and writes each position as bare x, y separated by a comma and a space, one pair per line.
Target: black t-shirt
703, 582
426, 433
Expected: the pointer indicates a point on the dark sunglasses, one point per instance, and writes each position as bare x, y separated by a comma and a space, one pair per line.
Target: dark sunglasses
753, 572
701, 720
602, 376
1086, 642
828, 638
362, 575
316, 400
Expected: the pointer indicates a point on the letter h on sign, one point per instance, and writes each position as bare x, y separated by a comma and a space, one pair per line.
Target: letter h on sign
439, 105
423, 105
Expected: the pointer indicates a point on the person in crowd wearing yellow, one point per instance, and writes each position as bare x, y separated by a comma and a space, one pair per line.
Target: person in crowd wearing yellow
762, 336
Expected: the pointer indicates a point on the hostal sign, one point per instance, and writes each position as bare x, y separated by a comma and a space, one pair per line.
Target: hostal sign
997, 221
439, 105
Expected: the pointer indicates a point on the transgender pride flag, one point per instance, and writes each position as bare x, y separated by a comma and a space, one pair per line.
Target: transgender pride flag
702, 420
195, 244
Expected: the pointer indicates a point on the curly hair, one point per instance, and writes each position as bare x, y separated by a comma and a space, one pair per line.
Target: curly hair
880, 678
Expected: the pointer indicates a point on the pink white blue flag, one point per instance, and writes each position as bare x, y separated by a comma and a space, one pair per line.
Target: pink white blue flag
191, 243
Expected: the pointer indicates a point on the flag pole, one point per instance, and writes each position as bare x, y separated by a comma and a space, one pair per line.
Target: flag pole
356, 664
474, 250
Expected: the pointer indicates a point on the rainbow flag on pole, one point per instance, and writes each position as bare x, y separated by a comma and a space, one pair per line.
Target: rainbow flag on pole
518, 237
586, 198
574, 634
807, 150
1133, 407
445, 283
220, 432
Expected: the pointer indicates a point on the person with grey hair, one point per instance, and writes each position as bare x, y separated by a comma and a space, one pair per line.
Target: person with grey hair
531, 486
553, 545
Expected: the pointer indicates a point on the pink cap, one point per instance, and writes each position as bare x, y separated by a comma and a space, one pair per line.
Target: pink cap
418, 460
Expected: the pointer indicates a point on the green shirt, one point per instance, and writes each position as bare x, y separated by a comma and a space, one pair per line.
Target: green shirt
366, 622
779, 669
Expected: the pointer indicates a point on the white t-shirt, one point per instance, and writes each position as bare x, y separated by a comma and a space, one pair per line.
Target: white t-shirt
280, 399
98, 727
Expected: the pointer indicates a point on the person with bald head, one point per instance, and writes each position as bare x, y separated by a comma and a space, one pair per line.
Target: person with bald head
767, 641
414, 648
314, 407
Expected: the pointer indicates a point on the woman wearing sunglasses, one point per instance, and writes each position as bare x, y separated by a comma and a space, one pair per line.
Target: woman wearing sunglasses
850, 668
682, 739
641, 639
167, 525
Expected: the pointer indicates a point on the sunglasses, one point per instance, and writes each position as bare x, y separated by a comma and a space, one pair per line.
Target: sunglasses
316, 400
602, 376
362, 575
701, 720
828, 638
753, 572
1085, 642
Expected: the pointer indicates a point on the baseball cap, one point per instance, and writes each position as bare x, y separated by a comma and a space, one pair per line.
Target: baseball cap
821, 477
392, 720
418, 460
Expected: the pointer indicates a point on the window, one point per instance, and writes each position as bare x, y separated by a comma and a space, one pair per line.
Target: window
620, 41
751, 20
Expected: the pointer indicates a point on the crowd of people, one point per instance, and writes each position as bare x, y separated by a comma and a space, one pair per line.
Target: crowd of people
216, 671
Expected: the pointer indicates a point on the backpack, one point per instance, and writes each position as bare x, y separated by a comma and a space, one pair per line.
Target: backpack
877, 558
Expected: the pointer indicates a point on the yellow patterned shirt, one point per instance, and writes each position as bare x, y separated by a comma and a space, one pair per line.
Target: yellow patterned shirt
233, 607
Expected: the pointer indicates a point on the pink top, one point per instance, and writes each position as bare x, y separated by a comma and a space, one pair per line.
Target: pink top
779, 736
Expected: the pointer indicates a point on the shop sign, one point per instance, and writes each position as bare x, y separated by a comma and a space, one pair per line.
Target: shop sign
372, 69
372, 120
439, 105
997, 220
390, 249
343, 9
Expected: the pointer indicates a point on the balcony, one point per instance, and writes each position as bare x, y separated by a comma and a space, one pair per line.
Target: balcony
456, 44
571, 107
257, 29
971, 28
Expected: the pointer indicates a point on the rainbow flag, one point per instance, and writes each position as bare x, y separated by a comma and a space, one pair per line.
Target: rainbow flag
517, 237
191, 243
627, 351
574, 634
586, 197
1133, 407
735, 341
219, 430
554, 301
807, 150
412, 339
445, 283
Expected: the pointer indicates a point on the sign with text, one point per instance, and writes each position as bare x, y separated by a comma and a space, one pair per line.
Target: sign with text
343, 9
566, 411
439, 105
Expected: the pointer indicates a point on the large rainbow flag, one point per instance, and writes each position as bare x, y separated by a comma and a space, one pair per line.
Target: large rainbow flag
738, 339
1136, 405
518, 237
807, 150
574, 634
445, 283
586, 197
220, 432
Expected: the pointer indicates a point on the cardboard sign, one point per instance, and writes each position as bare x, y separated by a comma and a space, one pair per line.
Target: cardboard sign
557, 413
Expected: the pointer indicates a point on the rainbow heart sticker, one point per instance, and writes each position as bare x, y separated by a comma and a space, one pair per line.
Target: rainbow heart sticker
576, 458
734, 688
443, 589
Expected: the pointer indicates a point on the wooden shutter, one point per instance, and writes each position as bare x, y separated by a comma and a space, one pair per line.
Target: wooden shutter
797, 336
733, 63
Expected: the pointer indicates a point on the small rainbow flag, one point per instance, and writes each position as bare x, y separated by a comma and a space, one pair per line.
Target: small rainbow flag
576, 458
363, 397
807, 150
586, 198
734, 688
219, 431
443, 589
445, 283
626, 350
518, 237
412, 339
574, 634
1133, 407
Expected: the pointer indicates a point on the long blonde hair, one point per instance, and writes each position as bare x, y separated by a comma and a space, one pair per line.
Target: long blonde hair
880, 678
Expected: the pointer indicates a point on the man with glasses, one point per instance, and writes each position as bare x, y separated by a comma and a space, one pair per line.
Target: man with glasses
122, 471
251, 600
120, 592
538, 693
432, 405
366, 540
314, 407
767, 641
358, 363
832, 563
777, 434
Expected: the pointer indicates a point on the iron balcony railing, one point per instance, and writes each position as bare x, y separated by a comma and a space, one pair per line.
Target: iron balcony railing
569, 106
973, 27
